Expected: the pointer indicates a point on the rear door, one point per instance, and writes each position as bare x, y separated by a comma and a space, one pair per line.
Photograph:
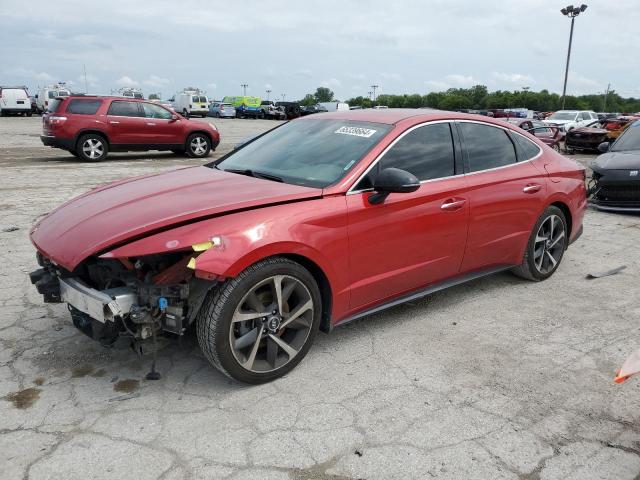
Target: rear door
126, 123
160, 128
505, 195
411, 239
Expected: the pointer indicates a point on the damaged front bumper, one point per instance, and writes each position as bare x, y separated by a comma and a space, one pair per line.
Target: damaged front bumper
135, 308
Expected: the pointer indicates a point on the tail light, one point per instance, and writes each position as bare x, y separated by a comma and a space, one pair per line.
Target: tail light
57, 120
221, 108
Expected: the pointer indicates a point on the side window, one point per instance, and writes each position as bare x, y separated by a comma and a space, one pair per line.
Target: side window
124, 109
83, 107
427, 152
526, 148
155, 111
487, 147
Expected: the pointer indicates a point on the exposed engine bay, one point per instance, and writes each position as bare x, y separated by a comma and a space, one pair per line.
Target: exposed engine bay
133, 297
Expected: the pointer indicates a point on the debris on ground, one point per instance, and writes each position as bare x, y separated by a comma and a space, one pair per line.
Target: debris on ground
613, 271
124, 397
10, 229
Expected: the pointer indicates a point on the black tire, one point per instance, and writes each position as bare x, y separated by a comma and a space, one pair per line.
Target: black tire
74, 153
198, 145
85, 141
528, 268
214, 318
185, 114
29, 113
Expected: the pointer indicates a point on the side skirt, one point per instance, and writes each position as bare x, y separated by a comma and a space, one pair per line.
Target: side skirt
423, 293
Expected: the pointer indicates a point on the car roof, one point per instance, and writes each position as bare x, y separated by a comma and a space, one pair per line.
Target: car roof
392, 116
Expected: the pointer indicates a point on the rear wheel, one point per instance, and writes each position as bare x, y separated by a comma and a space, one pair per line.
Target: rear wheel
185, 113
545, 247
92, 148
198, 145
260, 325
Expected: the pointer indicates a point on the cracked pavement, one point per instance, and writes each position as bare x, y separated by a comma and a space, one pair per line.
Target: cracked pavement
497, 379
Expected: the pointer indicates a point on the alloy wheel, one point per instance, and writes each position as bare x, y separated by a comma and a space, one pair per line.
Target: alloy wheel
93, 148
271, 323
198, 146
549, 244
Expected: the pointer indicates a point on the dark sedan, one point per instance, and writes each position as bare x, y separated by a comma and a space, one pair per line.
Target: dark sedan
615, 182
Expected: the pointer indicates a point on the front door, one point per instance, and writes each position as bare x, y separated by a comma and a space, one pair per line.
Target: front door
160, 128
411, 239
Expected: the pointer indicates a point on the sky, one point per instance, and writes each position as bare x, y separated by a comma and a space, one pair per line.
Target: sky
291, 47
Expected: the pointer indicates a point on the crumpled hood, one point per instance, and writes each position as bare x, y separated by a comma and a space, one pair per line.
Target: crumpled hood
617, 161
590, 131
548, 121
130, 209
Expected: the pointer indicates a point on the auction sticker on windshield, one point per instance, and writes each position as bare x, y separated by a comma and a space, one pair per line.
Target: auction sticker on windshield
356, 131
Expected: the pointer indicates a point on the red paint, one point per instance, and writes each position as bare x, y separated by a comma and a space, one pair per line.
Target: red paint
369, 253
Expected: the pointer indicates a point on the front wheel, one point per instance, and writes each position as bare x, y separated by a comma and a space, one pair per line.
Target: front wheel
198, 145
260, 325
545, 247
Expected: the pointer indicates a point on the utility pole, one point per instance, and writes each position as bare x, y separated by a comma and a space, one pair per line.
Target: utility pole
244, 89
283, 95
571, 12
86, 90
604, 102
268, 92
374, 87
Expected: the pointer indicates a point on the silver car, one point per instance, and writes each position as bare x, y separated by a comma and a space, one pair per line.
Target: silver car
222, 110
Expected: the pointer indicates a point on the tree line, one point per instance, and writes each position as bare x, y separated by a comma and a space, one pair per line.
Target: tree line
479, 98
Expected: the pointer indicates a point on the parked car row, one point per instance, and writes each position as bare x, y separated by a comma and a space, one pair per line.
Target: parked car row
589, 137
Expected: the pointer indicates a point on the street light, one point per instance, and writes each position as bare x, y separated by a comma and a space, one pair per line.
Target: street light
571, 12
283, 95
268, 92
244, 89
374, 87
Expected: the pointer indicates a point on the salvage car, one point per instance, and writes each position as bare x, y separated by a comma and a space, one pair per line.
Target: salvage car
276, 240
549, 134
89, 127
570, 119
615, 181
590, 137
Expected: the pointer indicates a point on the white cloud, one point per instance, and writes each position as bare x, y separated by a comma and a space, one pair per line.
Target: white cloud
356, 76
437, 85
303, 72
268, 86
155, 81
391, 76
461, 80
126, 81
212, 86
518, 79
43, 76
331, 83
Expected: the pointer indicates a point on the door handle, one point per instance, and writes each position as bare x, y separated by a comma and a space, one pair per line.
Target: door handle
453, 204
149, 123
113, 122
532, 188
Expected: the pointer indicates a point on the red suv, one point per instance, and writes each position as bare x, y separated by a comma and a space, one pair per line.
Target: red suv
90, 126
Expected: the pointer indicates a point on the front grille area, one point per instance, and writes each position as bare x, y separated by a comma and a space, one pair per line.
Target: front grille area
624, 196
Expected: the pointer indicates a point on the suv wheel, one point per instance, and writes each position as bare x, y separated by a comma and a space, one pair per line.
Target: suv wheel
185, 114
545, 247
198, 145
259, 325
92, 148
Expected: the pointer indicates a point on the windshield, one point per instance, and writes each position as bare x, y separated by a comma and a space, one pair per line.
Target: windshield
563, 116
629, 140
313, 153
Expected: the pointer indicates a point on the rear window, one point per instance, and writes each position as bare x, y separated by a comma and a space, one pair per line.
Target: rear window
198, 99
83, 107
54, 105
526, 148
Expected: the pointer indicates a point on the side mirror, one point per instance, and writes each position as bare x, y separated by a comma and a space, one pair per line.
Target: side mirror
175, 117
393, 180
603, 147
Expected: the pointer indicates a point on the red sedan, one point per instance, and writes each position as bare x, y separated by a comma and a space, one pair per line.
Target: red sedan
323, 220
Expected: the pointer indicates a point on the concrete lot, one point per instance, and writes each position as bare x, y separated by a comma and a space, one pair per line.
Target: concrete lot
497, 379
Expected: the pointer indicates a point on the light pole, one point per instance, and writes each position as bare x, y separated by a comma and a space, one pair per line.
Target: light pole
374, 87
571, 12
244, 89
283, 95
268, 92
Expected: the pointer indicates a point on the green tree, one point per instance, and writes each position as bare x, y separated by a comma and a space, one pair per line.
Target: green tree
154, 96
323, 94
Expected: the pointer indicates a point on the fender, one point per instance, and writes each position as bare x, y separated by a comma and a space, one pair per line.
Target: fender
222, 247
